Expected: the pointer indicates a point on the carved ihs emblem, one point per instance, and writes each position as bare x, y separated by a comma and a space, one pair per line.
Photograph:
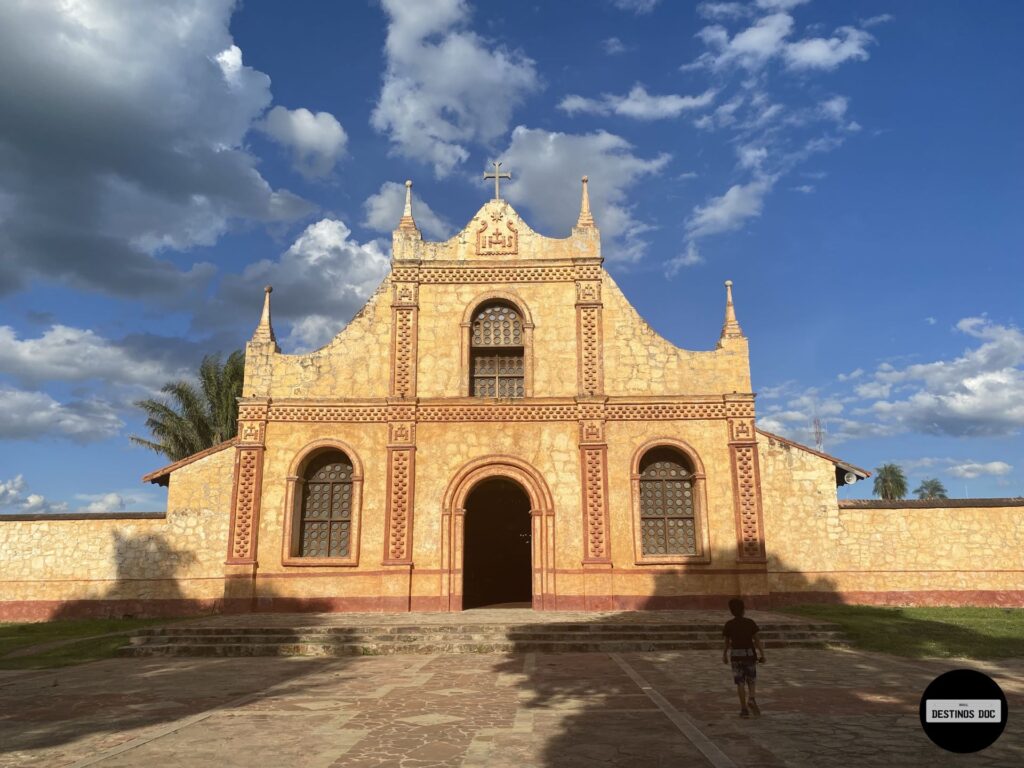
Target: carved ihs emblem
497, 236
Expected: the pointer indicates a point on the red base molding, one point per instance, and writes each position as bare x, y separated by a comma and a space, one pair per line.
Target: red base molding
49, 610
52, 610
996, 598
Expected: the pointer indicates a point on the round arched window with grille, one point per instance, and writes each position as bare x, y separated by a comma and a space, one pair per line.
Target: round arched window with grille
668, 493
326, 519
497, 359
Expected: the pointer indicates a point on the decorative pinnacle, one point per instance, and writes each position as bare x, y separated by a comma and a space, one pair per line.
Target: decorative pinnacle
265, 331
731, 328
497, 174
585, 219
407, 223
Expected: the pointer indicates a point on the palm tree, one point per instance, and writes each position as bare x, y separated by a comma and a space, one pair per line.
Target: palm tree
890, 482
931, 489
196, 418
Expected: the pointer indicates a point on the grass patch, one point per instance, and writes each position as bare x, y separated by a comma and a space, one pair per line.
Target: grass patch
15, 637
976, 633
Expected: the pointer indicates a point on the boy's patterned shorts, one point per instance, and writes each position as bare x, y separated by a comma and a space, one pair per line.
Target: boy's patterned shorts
744, 669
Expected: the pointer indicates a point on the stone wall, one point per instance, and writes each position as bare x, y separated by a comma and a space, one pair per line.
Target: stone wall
823, 550
72, 567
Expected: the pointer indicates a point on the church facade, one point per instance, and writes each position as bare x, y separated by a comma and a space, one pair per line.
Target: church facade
499, 425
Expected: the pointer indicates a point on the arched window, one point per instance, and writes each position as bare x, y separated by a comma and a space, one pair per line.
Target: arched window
325, 523
497, 359
668, 504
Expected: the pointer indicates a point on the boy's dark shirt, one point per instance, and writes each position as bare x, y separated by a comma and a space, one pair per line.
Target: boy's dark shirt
740, 632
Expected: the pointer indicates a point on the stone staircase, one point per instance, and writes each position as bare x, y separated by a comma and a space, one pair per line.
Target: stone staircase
273, 639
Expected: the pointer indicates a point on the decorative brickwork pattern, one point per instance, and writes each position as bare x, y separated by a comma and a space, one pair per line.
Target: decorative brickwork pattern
747, 491
665, 411
246, 506
403, 382
590, 350
313, 413
497, 275
595, 507
501, 412
740, 409
399, 506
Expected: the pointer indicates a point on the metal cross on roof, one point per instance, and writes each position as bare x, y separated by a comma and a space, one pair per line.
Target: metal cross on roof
497, 175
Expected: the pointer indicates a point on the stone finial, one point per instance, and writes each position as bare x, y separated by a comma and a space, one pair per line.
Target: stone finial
585, 219
407, 223
731, 328
265, 330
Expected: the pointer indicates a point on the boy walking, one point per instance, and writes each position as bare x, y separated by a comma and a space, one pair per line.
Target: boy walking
740, 641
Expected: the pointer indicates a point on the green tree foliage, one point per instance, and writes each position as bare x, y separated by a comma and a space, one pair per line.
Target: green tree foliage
196, 417
931, 488
890, 482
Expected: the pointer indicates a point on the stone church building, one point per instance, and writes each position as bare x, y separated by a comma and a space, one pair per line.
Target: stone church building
499, 425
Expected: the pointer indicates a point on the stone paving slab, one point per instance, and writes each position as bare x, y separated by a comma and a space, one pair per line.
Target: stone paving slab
821, 709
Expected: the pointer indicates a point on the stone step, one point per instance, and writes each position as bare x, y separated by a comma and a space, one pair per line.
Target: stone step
279, 637
370, 649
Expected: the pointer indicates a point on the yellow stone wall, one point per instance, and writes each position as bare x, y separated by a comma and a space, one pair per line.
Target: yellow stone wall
817, 546
178, 558
638, 361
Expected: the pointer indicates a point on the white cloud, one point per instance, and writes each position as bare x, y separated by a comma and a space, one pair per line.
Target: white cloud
972, 469
106, 502
145, 107
834, 108
636, 6
638, 104
848, 44
751, 157
750, 48
779, 5
731, 210
930, 320
317, 141
446, 87
723, 10
29, 415
852, 375
550, 165
319, 283
873, 21
613, 46
690, 257
979, 393
384, 209
15, 500
805, 189
64, 353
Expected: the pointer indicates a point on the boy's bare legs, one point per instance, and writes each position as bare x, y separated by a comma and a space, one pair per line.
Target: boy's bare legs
743, 696
752, 686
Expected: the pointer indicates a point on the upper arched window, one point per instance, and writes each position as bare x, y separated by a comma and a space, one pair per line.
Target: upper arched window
668, 503
325, 523
497, 359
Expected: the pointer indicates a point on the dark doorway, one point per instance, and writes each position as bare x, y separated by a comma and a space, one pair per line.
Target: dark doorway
496, 552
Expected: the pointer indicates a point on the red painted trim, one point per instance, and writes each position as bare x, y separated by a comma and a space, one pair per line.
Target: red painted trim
1009, 598
48, 610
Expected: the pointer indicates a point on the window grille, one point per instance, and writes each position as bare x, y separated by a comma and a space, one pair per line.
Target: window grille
326, 521
497, 367
667, 507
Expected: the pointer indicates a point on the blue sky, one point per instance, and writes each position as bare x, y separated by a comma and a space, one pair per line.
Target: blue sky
855, 168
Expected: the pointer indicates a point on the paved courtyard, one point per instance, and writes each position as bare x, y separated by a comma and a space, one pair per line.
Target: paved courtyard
821, 708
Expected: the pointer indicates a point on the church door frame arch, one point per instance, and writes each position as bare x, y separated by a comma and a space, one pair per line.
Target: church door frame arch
542, 526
